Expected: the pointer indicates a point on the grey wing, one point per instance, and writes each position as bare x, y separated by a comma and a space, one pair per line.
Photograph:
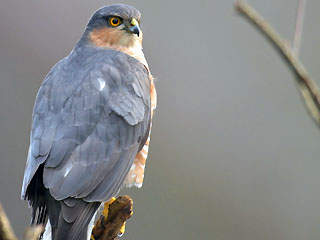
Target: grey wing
45, 119
89, 144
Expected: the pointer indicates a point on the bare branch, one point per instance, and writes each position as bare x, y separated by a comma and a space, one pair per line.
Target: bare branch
108, 227
298, 29
6, 232
307, 86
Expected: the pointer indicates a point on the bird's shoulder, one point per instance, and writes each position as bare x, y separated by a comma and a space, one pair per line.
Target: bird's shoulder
91, 71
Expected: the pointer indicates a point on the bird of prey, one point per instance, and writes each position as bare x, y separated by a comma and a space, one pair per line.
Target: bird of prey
91, 125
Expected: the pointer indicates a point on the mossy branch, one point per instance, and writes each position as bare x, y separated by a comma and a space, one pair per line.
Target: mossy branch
108, 227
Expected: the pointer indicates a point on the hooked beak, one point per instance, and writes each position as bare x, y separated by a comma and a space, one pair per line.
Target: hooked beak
134, 27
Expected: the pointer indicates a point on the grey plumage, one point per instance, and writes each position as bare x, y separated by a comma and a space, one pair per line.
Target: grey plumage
122, 10
91, 116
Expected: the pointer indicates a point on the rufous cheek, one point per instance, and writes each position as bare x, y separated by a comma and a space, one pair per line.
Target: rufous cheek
105, 37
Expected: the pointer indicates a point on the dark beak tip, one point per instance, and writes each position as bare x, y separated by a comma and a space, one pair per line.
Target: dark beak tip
136, 31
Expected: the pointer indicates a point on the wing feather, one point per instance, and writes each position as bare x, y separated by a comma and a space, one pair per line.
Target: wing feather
88, 125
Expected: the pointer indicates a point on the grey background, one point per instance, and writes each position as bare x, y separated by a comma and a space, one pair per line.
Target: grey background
234, 155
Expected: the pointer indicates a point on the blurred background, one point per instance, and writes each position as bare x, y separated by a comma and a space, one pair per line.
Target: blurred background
234, 154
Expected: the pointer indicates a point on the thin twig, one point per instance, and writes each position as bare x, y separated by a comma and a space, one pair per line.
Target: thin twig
307, 86
298, 29
6, 232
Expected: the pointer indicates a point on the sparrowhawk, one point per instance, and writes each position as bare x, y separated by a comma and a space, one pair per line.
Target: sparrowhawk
91, 125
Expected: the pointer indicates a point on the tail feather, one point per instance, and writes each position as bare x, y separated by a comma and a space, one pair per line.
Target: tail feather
79, 228
36, 196
69, 218
72, 222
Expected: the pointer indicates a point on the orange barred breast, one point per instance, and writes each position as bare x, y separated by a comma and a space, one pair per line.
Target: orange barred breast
136, 173
110, 38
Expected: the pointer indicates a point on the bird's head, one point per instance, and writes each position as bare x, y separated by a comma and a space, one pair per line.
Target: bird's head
115, 26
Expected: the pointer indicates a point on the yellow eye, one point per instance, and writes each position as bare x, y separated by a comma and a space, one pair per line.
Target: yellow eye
114, 21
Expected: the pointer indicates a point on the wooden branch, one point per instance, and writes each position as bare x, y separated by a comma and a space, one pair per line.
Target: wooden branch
309, 89
6, 232
108, 227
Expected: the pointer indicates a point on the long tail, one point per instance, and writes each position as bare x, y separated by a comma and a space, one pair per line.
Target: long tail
70, 218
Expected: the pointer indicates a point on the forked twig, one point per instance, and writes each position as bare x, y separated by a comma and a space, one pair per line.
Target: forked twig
307, 86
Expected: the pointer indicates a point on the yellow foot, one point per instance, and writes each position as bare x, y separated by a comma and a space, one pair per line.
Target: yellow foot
123, 227
122, 230
106, 212
106, 207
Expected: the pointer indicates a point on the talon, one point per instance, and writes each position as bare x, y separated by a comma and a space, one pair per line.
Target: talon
106, 207
122, 230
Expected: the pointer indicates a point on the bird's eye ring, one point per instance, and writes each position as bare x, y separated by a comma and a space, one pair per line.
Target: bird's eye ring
114, 21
